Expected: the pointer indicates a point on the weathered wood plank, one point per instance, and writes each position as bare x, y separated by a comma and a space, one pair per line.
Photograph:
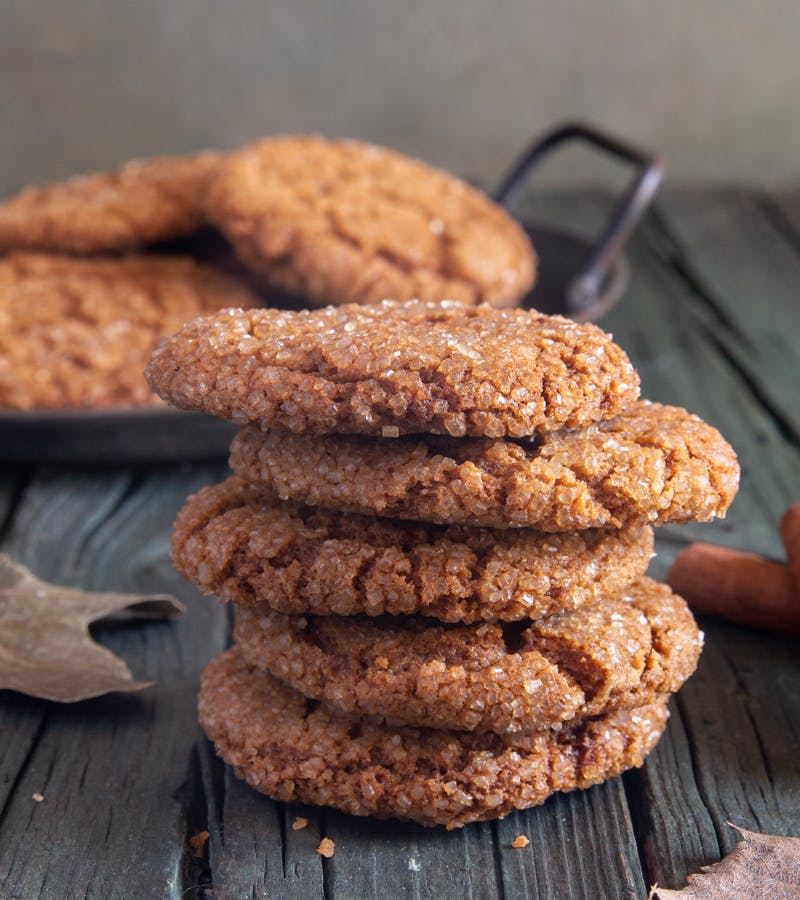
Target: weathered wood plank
783, 209
745, 272
110, 824
253, 850
675, 828
414, 861
580, 845
674, 349
716, 760
747, 775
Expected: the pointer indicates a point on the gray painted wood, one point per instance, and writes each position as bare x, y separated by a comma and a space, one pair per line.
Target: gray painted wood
111, 823
128, 780
728, 756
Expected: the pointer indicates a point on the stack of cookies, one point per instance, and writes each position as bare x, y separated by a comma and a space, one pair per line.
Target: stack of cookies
436, 537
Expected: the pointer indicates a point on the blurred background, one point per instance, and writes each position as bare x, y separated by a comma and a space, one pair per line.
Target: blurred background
463, 84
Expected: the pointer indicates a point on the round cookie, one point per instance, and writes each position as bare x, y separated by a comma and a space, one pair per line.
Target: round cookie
343, 221
651, 463
396, 369
620, 653
142, 202
296, 750
77, 332
239, 542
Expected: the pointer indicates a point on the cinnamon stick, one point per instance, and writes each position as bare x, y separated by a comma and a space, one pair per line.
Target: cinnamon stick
738, 586
790, 534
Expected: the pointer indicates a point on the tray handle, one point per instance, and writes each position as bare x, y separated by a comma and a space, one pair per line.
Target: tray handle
588, 283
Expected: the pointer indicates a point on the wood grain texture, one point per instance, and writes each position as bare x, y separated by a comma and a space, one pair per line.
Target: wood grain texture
725, 755
127, 780
109, 769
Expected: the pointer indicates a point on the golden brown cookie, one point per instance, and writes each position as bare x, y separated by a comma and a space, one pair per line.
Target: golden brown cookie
651, 463
619, 653
241, 543
144, 201
343, 221
78, 332
296, 750
396, 369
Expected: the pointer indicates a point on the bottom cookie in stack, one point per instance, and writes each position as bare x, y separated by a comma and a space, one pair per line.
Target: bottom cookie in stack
296, 749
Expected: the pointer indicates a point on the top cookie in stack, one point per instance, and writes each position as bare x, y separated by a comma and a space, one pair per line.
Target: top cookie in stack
397, 368
380, 444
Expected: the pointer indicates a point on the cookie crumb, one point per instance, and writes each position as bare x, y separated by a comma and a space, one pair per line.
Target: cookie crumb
326, 848
198, 842
299, 824
38, 797
390, 431
519, 842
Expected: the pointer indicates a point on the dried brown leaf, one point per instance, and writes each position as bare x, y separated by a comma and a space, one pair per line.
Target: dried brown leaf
45, 646
760, 867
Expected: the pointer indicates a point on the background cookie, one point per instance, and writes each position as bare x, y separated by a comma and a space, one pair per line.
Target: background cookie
342, 221
620, 653
142, 202
650, 463
242, 544
78, 332
395, 369
296, 750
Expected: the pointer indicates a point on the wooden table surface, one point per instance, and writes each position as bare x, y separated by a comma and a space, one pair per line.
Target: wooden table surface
712, 322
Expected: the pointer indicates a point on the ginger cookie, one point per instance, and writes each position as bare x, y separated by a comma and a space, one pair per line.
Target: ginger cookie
620, 653
244, 545
77, 332
297, 750
342, 221
396, 369
651, 463
142, 202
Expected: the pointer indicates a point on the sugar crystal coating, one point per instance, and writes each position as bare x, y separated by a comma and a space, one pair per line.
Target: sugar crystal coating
297, 750
78, 332
621, 652
248, 547
339, 221
651, 463
142, 202
396, 369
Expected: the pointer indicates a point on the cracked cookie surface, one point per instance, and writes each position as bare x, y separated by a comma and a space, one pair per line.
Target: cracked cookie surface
343, 221
651, 463
244, 545
395, 369
142, 202
77, 332
297, 750
619, 653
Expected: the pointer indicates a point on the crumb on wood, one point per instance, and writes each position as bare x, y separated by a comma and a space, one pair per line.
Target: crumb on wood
326, 848
38, 797
198, 842
519, 842
299, 824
